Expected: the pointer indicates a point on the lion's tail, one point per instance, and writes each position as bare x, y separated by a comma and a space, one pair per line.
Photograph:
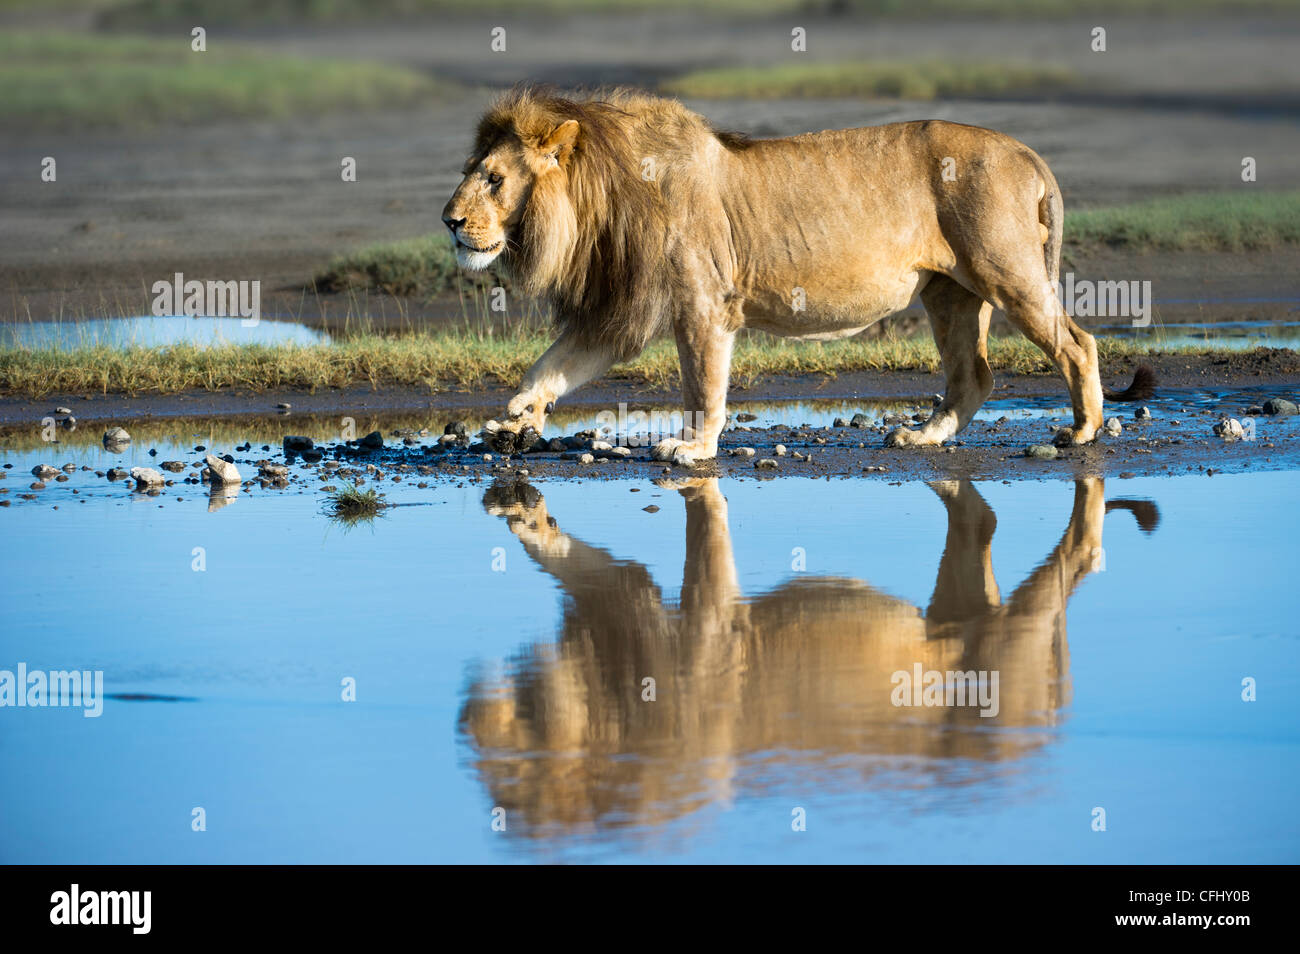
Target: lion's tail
1051, 216
1143, 386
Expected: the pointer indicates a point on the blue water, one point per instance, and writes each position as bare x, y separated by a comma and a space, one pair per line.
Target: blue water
150, 331
484, 680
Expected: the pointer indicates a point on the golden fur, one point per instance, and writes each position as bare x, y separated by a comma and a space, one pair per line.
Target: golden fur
632, 215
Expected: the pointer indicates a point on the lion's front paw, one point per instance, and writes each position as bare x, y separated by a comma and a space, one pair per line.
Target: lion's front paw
683, 453
1074, 436
509, 437
905, 437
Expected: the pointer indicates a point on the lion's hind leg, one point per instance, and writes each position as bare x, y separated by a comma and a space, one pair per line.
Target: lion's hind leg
960, 321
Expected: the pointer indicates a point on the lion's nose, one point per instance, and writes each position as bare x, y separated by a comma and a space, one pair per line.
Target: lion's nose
452, 224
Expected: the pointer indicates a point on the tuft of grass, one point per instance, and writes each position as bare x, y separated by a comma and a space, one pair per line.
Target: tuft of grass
1226, 221
465, 360
352, 504
418, 267
901, 80
64, 79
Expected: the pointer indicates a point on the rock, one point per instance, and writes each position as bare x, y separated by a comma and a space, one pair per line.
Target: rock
273, 470
743, 452
839, 422
175, 466
147, 477
223, 471
1042, 451
1229, 429
313, 455
118, 473
745, 417
456, 429
766, 463
296, 444
116, 437
1142, 414
44, 471
1113, 427
1280, 407
555, 445
618, 452
586, 459
860, 420
597, 446
37, 485
69, 423
372, 441
651, 509
283, 406
780, 450
69, 468
63, 410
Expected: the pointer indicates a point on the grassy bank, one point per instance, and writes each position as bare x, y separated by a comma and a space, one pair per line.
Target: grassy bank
451, 360
902, 80
1241, 220
72, 79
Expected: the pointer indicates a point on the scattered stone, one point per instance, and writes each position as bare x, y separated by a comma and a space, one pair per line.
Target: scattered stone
766, 463
313, 455
273, 470
63, 410
1280, 407
1229, 429
37, 485
586, 459
175, 466
296, 444
147, 477
1042, 451
118, 473
780, 450
597, 446
860, 420
1142, 414
1113, 427
44, 471
116, 437
222, 471
745, 417
743, 452
372, 441
653, 508
456, 429
282, 406
839, 422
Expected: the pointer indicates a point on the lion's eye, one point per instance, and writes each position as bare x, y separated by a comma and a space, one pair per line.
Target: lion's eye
494, 178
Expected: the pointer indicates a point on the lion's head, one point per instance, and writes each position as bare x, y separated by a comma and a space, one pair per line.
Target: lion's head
554, 188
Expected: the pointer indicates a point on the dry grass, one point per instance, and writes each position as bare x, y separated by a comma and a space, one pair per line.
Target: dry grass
442, 361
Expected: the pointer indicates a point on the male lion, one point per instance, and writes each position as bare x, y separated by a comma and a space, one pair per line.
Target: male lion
630, 213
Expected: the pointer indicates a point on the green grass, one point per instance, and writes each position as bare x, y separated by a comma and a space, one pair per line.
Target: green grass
903, 80
72, 79
448, 360
351, 505
1240, 220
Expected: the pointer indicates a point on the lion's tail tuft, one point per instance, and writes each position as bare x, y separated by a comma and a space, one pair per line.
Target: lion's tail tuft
1143, 386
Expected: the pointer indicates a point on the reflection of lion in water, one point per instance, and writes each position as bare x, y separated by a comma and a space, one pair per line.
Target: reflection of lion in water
631, 214
801, 673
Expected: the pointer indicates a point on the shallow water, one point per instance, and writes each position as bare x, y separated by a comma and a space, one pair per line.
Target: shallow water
150, 331
499, 640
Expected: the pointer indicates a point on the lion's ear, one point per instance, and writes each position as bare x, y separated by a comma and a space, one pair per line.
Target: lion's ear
559, 143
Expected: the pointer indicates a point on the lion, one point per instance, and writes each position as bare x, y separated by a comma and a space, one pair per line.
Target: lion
631, 214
